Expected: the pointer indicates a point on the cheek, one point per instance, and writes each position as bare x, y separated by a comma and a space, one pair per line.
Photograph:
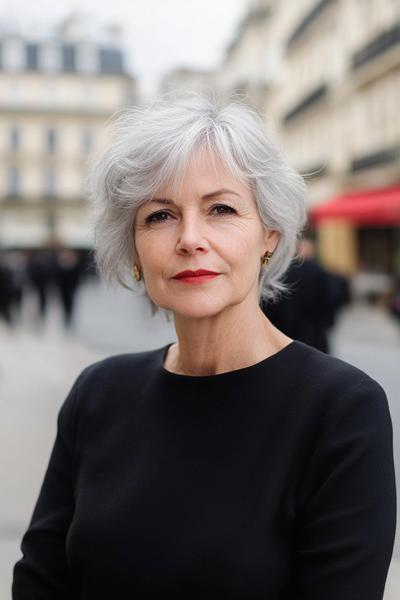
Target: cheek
243, 248
154, 261
151, 249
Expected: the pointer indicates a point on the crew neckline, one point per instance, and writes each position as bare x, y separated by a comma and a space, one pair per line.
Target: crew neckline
256, 367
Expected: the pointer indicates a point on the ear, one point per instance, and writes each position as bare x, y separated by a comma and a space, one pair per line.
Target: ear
271, 239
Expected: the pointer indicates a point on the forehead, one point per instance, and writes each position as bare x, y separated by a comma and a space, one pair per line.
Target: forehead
203, 174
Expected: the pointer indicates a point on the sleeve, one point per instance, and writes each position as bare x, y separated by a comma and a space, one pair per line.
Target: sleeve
42, 572
346, 522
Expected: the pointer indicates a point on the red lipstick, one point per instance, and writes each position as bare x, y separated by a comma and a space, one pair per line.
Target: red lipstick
196, 277
189, 273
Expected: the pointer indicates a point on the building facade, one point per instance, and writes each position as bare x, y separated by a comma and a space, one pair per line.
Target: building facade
340, 122
332, 87
55, 96
248, 62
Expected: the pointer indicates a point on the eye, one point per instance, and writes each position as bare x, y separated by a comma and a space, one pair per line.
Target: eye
157, 217
153, 218
226, 209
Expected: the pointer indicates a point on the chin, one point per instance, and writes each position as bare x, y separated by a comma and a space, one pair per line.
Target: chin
197, 308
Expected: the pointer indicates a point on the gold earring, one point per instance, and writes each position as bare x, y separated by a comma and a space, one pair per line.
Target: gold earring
137, 272
266, 257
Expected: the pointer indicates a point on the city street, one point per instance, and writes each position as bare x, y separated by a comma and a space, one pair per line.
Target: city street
38, 364
103, 107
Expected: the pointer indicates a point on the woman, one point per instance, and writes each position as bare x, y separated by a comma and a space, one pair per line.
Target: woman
236, 462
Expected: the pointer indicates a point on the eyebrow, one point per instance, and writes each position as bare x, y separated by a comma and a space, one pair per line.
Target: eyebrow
205, 197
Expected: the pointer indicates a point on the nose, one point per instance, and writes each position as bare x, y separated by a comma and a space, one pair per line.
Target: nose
191, 237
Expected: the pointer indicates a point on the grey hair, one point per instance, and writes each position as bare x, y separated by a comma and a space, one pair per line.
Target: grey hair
151, 145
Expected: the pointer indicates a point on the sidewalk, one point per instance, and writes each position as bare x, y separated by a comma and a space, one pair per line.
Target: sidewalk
37, 369
392, 589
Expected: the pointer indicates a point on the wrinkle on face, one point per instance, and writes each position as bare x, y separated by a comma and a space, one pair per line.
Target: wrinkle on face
193, 237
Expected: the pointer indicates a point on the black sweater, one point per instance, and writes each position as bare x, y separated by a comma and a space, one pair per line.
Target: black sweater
275, 481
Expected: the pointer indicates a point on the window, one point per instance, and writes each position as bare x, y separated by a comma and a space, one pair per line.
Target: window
13, 183
69, 58
110, 60
49, 183
15, 139
32, 57
51, 140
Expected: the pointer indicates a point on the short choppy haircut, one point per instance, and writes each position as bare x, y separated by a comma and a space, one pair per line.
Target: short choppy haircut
150, 146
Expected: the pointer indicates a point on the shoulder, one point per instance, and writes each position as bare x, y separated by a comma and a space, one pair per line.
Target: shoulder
113, 379
117, 365
325, 369
333, 382
345, 411
118, 369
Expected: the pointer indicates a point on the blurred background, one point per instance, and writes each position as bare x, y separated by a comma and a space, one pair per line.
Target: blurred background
326, 75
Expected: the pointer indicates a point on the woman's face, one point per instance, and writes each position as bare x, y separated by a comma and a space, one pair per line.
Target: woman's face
202, 227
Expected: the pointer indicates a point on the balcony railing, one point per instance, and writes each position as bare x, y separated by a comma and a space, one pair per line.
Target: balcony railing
377, 46
306, 103
385, 156
307, 20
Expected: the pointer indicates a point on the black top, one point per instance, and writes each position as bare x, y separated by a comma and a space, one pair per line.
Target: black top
274, 481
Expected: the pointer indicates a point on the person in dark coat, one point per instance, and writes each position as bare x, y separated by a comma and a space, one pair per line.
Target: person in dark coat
68, 272
6, 292
339, 295
17, 263
41, 271
309, 309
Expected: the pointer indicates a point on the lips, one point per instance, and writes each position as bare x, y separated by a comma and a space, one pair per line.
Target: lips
197, 273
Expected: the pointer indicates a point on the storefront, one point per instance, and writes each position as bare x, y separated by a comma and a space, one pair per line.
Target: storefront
360, 231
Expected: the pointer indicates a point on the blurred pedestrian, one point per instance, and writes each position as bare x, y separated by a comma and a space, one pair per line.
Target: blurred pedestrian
339, 296
67, 276
6, 292
309, 309
17, 262
41, 272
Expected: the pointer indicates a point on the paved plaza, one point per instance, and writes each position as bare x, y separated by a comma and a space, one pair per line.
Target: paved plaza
39, 362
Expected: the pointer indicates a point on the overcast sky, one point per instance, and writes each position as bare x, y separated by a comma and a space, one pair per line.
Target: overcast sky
157, 34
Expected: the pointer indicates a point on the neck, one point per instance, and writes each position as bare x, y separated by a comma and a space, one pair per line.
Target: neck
238, 337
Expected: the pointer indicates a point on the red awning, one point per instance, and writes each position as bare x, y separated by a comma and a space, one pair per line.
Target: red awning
369, 207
